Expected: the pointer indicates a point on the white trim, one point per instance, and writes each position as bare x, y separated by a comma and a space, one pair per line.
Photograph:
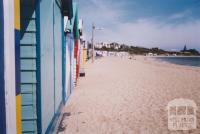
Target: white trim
9, 63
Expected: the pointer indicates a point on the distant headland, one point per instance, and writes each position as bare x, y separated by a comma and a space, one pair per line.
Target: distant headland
116, 47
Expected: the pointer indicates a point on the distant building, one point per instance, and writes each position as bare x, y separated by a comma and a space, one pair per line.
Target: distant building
115, 46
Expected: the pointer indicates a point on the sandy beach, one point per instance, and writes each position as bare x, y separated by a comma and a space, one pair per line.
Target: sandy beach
123, 96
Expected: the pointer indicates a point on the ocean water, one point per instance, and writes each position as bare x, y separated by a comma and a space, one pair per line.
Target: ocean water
188, 61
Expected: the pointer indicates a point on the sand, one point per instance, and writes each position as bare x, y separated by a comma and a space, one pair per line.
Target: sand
123, 96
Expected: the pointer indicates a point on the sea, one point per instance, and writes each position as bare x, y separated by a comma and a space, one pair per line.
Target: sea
187, 61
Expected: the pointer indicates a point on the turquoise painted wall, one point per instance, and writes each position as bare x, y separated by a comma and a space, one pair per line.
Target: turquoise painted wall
47, 62
51, 60
69, 57
58, 33
28, 68
41, 64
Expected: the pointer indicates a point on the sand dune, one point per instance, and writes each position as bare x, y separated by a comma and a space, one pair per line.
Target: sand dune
123, 96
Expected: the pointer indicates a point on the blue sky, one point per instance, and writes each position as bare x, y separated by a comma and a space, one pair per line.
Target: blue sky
168, 24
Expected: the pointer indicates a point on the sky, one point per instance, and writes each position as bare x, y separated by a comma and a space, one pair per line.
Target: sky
167, 24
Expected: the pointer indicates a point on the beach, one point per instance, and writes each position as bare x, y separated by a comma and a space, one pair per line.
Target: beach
129, 96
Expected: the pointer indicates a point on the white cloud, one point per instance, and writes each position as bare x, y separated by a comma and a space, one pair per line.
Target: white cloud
146, 32
153, 33
180, 15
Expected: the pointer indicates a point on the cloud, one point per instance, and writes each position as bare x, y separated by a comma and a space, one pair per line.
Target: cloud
150, 33
147, 32
100, 12
181, 15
